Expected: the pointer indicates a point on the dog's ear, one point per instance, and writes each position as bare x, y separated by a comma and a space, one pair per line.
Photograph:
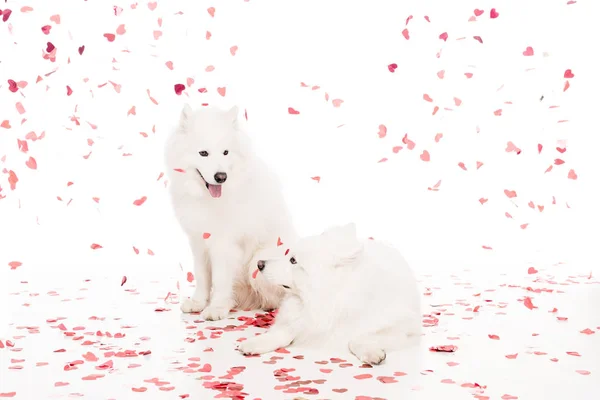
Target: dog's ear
186, 114
233, 114
344, 244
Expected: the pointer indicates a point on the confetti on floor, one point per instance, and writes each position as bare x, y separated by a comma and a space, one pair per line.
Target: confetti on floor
73, 340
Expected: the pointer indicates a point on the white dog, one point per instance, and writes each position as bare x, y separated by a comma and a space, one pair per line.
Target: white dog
339, 288
230, 206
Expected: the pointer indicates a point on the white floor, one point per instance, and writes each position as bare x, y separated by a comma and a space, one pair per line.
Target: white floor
70, 338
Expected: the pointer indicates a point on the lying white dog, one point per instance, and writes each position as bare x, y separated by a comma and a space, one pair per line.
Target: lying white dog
340, 289
230, 206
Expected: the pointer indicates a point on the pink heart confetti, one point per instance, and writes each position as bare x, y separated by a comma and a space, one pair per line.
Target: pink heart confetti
337, 102
528, 52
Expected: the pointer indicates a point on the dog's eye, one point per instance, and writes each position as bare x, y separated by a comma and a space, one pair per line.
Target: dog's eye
204, 153
226, 152
293, 260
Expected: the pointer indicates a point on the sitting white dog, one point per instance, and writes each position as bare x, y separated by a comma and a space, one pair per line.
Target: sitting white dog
343, 290
231, 207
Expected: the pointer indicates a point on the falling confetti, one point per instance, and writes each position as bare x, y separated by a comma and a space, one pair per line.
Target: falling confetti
140, 201
76, 209
179, 88
528, 52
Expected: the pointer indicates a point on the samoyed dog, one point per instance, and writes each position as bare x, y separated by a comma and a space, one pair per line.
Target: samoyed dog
341, 290
230, 205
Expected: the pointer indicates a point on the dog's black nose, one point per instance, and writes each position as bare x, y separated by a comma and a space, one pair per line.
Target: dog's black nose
261, 265
220, 177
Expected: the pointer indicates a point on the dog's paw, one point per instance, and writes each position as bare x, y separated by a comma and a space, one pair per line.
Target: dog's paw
373, 357
366, 352
255, 345
190, 305
215, 313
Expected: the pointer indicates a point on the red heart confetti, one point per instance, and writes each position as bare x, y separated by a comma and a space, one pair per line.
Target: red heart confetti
179, 88
449, 348
140, 201
528, 303
583, 372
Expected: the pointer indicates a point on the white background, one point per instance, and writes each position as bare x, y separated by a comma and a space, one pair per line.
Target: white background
340, 50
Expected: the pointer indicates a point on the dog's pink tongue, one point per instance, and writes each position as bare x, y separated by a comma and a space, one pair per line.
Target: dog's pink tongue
254, 274
215, 190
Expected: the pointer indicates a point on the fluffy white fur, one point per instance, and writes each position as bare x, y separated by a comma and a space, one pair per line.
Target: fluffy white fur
340, 289
244, 215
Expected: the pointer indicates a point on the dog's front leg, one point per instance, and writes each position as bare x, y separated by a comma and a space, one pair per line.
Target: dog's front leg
199, 299
225, 261
288, 323
273, 339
